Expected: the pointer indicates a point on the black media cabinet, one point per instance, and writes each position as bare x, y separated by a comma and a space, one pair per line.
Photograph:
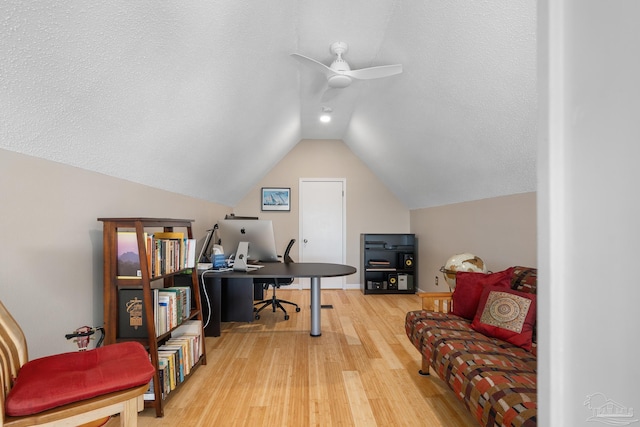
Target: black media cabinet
388, 263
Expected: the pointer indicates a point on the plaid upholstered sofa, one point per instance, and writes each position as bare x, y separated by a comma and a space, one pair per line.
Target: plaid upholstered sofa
480, 341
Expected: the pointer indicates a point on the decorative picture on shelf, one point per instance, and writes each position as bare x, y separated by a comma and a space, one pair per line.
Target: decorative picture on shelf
128, 257
276, 199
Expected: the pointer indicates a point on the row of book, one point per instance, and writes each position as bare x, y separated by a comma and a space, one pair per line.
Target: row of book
171, 307
166, 253
170, 252
177, 356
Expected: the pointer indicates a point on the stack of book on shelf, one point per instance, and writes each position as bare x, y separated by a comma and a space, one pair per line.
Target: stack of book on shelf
166, 253
171, 306
379, 264
177, 356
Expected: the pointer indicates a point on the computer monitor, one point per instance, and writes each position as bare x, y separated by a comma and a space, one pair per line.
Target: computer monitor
257, 232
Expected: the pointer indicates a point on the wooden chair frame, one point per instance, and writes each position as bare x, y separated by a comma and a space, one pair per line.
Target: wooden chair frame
13, 354
440, 302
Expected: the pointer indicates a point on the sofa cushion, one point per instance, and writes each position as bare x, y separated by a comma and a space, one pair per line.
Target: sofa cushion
506, 314
57, 380
469, 286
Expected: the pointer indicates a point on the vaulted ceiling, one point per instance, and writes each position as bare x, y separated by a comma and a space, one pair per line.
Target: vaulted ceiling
126, 88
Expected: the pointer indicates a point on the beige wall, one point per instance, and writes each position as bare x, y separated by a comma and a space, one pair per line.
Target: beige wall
500, 230
371, 207
51, 249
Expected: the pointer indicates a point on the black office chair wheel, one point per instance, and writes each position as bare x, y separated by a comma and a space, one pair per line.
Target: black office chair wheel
297, 309
286, 317
257, 317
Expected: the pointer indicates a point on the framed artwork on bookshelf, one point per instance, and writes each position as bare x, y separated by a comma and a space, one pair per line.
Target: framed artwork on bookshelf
276, 199
128, 261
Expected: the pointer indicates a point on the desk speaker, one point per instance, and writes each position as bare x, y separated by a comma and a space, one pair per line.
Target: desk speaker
407, 261
392, 281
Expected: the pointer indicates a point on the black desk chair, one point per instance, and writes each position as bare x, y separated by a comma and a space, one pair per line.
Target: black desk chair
276, 283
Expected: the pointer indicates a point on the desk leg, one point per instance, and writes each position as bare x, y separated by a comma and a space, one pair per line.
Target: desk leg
315, 307
211, 305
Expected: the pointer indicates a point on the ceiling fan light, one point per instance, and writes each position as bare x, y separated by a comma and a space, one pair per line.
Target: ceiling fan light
339, 81
325, 118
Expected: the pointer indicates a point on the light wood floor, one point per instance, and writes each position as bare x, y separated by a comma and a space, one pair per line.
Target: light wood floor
362, 371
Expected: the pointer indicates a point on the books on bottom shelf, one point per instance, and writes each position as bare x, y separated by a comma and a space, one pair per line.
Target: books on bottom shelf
191, 329
177, 356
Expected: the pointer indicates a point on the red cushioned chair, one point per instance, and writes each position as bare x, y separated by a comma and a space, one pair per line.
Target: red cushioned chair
70, 388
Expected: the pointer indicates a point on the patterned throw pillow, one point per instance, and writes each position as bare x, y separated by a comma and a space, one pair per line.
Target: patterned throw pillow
525, 279
507, 315
469, 287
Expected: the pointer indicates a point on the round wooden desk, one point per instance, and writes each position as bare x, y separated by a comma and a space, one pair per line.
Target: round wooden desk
313, 270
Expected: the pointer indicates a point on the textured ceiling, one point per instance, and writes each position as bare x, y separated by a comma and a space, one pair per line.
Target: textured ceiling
126, 88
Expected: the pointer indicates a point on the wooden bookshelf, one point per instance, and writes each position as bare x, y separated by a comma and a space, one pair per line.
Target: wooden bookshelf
147, 280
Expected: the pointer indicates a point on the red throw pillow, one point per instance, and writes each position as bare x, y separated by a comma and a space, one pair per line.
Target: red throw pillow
507, 315
469, 288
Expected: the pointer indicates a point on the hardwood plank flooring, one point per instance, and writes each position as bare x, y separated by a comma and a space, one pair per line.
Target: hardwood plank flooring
362, 371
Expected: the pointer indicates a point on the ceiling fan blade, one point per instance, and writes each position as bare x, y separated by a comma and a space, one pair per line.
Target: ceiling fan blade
375, 72
313, 64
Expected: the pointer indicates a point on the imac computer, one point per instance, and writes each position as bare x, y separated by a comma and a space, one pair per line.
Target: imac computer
258, 233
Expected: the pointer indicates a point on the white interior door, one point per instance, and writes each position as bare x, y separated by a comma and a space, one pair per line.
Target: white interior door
322, 225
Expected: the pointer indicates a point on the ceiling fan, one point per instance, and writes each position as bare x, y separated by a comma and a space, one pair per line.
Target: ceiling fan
340, 75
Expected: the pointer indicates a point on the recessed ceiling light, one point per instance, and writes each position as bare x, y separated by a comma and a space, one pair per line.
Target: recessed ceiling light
326, 114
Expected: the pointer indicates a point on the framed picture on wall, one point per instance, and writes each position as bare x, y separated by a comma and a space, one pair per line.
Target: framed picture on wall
276, 199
